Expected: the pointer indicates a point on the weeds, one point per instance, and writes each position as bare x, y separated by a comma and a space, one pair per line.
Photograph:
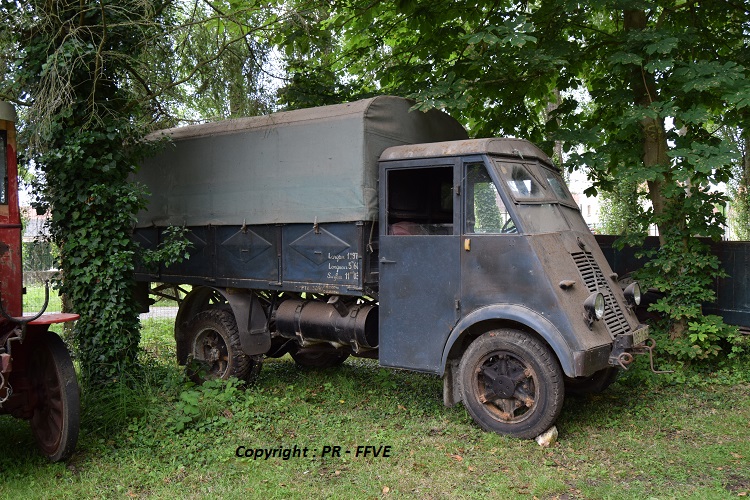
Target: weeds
166, 437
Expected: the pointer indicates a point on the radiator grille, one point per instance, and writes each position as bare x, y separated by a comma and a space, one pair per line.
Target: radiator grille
596, 282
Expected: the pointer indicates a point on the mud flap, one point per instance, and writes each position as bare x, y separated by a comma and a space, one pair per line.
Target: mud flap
252, 324
451, 386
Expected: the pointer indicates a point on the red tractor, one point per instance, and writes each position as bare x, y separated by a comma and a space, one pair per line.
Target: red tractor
37, 378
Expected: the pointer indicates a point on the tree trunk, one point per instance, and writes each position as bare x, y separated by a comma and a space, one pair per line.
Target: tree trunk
557, 151
745, 181
654, 133
655, 147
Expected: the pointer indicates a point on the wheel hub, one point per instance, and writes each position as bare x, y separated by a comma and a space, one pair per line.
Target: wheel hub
507, 386
503, 386
497, 378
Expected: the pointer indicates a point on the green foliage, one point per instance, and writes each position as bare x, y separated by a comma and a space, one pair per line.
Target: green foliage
485, 208
620, 210
739, 187
740, 222
201, 406
96, 75
219, 52
172, 249
685, 270
37, 255
707, 339
73, 64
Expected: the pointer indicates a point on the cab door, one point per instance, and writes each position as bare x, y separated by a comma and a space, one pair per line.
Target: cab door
496, 260
419, 262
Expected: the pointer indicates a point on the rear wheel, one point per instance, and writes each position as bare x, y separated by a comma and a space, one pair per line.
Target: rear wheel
215, 350
318, 357
55, 397
511, 383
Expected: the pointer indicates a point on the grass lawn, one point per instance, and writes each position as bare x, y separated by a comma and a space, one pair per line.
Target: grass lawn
33, 300
168, 438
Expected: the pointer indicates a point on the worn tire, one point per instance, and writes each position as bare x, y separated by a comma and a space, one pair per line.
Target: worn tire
592, 384
214, 347
318, 358
56, 413
511, 383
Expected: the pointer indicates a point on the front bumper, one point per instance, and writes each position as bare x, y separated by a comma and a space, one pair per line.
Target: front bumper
627, 344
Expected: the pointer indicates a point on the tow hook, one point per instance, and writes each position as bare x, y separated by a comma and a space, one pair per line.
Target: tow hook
622, 357
648, 348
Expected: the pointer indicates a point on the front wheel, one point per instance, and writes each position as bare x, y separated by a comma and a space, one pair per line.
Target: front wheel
55, 397
511, 383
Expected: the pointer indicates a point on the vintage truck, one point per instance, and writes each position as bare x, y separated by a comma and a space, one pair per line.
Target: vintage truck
367, 229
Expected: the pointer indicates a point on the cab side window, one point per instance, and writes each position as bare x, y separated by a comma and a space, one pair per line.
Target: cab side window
420, 201
485, 210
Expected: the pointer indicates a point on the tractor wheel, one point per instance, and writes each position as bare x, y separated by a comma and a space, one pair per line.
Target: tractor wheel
54, 396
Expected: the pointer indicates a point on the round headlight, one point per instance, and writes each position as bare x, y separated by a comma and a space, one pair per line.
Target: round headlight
633, 294
599, 306
594, 306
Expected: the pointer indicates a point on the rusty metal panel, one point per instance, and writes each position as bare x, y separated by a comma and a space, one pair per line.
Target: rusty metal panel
11, 272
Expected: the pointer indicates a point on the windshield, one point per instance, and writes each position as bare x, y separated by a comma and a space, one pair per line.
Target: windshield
533, 182
521, 182
558, 186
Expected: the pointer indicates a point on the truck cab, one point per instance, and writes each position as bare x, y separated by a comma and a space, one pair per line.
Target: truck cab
481, 239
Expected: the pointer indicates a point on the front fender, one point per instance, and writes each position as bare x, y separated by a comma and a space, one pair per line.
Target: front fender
518, 314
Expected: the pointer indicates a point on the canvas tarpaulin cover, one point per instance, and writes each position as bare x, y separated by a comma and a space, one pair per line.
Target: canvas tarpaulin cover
317, 164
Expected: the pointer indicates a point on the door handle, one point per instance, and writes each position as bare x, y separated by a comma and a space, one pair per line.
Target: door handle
383, 260
467, 244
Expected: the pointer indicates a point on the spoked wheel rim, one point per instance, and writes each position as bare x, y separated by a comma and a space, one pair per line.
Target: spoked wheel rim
49, 411
210, 349
54, 397
506, 386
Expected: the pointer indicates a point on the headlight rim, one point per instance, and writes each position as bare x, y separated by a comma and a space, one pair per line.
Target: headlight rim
633, 294
594, 307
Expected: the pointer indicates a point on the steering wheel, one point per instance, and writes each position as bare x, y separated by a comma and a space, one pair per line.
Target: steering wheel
509, 227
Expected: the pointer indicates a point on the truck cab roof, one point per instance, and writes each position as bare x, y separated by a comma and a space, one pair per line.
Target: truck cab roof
494, 146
